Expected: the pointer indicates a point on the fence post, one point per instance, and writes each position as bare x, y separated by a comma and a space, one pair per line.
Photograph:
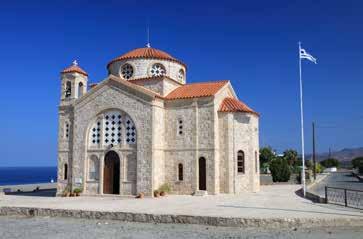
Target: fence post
326, 194
345, 198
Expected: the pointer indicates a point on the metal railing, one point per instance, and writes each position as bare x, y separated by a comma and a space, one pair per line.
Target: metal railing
345, 197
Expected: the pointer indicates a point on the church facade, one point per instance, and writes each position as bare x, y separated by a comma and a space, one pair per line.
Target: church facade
144, 126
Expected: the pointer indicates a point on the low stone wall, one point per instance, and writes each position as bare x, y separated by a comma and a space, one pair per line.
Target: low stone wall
183, 219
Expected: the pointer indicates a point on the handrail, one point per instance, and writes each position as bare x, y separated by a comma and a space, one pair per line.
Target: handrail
345, 190
348, 189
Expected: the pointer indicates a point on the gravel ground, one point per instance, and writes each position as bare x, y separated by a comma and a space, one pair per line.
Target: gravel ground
40, 227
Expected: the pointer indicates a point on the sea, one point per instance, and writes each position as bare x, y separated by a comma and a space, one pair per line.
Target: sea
27, 175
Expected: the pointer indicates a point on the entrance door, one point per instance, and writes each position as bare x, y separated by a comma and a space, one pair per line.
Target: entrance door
111, 174
202, 174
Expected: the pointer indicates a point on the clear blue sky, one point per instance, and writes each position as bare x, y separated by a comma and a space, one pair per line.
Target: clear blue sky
254, 45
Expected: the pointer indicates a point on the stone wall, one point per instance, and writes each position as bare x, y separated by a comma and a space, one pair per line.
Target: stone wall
138, 107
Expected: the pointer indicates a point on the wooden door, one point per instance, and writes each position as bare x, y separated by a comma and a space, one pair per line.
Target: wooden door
111, 174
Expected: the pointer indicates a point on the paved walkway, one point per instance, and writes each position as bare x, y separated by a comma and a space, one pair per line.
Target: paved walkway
277, 201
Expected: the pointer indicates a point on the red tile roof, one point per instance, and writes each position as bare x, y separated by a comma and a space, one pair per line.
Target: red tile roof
74, 68
195, 90
230, 104
146, 52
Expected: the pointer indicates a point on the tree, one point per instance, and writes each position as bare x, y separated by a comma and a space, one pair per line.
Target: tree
358, 163
291, 156
266, 155
280, 170
328, 163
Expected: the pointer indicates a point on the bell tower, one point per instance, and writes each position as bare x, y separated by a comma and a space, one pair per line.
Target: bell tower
74, 83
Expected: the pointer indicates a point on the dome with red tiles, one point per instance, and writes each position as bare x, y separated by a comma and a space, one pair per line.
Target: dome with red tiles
146, 53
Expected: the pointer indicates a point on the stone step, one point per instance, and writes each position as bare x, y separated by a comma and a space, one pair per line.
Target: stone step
200, 193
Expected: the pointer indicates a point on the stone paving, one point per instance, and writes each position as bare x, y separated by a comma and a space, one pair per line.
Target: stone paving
277, 201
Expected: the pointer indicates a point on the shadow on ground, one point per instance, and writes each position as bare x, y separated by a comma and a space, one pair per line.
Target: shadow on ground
37, 193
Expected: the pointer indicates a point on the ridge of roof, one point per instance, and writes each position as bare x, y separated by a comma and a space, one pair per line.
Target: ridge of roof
230, 104
196, 90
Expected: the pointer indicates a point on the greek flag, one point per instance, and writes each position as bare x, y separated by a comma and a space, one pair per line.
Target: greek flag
305, 55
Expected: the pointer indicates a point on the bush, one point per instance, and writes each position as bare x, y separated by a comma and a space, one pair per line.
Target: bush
319, 168
280, 170
328, 163
77, 190
165, 188
357, 162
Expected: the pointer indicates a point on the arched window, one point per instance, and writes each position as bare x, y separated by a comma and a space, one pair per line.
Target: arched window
80, 89
65, 171
68, 90
93, 168
180, 172
181, 75
114, 128
240, 162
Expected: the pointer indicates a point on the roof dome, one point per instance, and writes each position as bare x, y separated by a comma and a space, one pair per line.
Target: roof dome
74, 68
148, 53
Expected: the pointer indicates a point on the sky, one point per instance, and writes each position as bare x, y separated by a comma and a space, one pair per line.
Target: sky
254, 44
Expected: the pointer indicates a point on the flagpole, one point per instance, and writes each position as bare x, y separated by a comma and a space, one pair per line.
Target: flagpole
302, 127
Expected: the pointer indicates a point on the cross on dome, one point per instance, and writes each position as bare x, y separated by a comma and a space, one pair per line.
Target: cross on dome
75, 63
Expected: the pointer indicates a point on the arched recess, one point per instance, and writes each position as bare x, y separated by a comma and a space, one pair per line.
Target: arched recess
80, 89
93, 168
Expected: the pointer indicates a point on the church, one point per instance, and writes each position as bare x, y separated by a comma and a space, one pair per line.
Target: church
144, 126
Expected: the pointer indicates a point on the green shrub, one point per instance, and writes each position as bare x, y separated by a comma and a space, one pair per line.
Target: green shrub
357, 162
77, 190
280, 170
319, 168
165, 188
328, 163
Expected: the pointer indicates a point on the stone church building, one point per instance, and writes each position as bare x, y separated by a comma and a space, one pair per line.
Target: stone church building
144, 126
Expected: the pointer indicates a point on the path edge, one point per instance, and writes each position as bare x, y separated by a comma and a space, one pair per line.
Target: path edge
182, 219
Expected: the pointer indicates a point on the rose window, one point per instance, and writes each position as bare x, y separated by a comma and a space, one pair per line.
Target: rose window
127, 71
157, 70
181, 74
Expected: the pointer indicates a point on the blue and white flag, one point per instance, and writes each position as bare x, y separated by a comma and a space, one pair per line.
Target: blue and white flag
305, 55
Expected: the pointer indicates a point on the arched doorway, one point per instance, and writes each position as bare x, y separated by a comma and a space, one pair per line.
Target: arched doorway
111, 173
202, 174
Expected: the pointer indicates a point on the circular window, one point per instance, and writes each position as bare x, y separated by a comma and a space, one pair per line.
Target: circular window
127, 71
181, 74
157, 70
